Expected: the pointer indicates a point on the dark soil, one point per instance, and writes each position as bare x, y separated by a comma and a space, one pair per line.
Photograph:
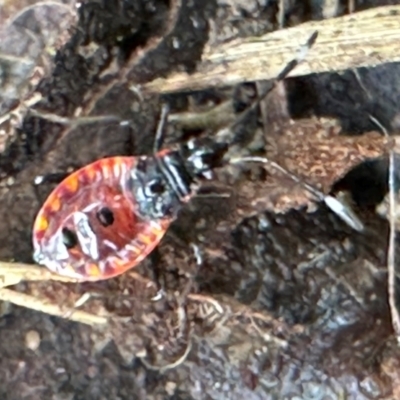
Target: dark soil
305, 297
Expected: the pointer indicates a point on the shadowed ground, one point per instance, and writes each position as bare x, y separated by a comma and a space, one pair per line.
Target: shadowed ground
285, 305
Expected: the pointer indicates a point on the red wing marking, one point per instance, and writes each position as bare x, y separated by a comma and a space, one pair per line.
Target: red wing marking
100, 252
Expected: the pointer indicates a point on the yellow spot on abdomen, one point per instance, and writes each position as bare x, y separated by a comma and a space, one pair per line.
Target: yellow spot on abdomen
93, 270
146, 239
71, 183
54, 203
90, 173
42, 223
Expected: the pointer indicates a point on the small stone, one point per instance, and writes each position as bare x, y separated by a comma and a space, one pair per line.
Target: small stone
32, 340
170, 388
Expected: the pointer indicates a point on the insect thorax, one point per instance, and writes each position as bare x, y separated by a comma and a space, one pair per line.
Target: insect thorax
163, 183
160, 185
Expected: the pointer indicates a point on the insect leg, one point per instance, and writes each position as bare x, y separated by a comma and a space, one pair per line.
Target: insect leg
155, 259
281, 76
54, 177
160, 128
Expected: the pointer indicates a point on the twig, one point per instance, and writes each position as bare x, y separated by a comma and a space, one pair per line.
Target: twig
362, 39
214, 118
172, 365
24, 300
391, 258
13, 273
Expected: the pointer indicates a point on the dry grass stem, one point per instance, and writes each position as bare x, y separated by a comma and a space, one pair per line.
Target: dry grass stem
363, 39
33, 303
13, 273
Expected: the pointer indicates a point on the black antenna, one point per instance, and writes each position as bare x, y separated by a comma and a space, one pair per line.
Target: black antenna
301, 55
341, 209
158, 140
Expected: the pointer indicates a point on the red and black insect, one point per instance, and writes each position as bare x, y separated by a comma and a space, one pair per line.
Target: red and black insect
108, 216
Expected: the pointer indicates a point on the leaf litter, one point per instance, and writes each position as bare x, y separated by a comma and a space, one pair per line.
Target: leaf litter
126, 302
